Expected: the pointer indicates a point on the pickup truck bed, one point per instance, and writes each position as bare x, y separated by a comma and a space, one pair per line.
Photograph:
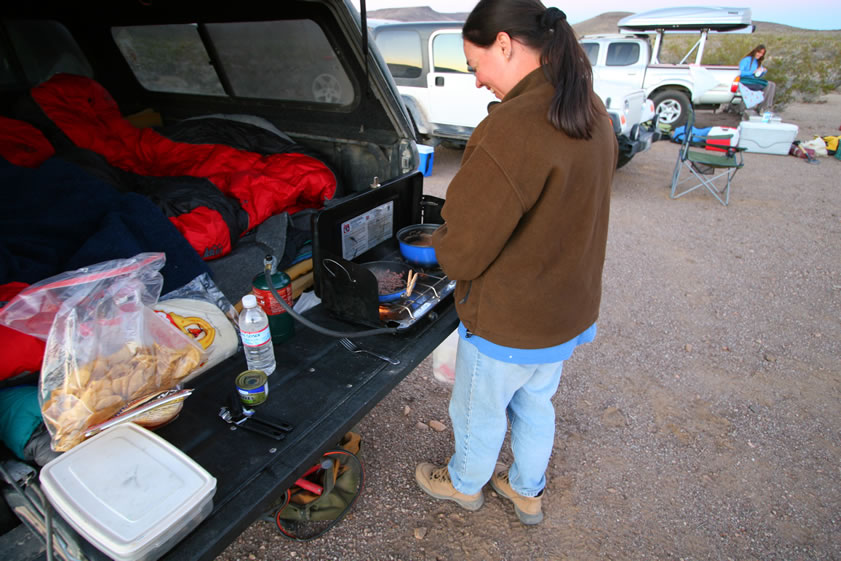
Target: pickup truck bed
319, 388
298, 69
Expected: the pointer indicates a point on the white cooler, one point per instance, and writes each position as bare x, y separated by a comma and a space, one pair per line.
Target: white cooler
767, 138
129, 492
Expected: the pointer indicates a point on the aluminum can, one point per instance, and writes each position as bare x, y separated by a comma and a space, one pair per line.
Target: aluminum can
253, 387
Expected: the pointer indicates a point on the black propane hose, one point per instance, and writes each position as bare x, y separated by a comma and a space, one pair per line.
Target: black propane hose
267, 273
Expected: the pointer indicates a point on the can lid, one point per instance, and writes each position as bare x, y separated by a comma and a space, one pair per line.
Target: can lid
249, 301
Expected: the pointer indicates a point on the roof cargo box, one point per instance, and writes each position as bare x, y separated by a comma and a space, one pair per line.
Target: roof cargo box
688, 18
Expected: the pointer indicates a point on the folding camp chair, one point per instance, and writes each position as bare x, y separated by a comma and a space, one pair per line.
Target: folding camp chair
709, 168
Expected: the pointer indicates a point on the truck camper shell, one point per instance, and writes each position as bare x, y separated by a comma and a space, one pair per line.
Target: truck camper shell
688, 19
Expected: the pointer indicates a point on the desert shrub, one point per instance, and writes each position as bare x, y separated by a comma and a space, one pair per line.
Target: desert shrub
804, 65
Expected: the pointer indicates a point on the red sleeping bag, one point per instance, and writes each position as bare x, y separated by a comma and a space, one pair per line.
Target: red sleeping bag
264, 185
22, 144
19, 352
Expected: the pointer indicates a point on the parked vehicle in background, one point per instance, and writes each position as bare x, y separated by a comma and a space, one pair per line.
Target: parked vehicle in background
630, 57
426, 60
633, 117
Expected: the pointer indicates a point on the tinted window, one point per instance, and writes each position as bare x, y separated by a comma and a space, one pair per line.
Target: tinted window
622, 54
448, 53
592, 50
289, 60
168, 58
402, 52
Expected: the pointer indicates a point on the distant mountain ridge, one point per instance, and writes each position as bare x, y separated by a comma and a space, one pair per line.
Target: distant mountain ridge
603, 23
419, 13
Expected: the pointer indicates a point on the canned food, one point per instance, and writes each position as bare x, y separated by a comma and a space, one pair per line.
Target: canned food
253, 387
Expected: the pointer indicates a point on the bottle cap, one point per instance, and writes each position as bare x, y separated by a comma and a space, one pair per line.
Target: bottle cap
249, 301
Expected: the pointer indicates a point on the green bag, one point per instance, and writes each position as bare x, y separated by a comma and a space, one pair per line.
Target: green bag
754, 83
323, 495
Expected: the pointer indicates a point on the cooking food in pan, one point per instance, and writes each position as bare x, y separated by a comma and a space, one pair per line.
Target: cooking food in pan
391, 278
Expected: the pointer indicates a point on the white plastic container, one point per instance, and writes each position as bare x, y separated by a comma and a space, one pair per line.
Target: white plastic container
767, 138
444, 359
129, 492
761, 119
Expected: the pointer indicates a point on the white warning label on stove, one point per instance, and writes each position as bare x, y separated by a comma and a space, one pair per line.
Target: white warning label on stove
361, 233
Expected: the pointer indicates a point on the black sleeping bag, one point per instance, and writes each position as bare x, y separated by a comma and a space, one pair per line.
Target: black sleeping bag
240, 135
58, 217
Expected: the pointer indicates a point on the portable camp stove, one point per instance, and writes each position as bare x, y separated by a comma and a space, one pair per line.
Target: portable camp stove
432, 287
363, 229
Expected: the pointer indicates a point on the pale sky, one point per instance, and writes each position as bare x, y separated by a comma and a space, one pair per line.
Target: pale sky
815, 14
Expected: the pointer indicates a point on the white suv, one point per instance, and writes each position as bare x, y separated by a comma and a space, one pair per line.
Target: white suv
427, 63
426, 60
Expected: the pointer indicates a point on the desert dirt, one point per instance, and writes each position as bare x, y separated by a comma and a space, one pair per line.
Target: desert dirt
704, 422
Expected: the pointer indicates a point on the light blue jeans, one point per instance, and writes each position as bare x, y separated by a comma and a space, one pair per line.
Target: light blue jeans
489, 393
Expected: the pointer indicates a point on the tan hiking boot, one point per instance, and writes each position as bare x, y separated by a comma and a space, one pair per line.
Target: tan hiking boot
435, 482
528, 509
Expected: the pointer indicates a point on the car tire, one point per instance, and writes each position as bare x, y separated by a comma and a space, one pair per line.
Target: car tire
622, 160
454, 144
672, 107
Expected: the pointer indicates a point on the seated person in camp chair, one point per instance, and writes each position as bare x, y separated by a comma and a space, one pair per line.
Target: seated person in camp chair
751, 74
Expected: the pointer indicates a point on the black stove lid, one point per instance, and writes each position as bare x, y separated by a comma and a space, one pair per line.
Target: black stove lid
398, 204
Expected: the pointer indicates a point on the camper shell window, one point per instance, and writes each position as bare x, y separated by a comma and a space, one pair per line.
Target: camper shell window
289, 60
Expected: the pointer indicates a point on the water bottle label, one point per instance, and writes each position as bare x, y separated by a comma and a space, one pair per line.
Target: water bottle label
255, 338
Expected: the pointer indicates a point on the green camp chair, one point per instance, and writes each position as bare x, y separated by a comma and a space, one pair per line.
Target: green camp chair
711, 169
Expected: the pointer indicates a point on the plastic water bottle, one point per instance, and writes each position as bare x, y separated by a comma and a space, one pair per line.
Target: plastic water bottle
256, 336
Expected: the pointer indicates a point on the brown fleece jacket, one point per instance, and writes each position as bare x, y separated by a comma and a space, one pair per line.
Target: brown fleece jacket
526, 223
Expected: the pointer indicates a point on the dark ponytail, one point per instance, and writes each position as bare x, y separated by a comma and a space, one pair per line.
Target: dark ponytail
564, 62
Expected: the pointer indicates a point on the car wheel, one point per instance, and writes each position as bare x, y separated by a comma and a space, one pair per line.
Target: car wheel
326, 89
454, 144
672, 107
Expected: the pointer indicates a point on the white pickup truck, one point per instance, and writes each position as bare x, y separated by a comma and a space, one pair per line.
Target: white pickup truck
629, 57
426, 60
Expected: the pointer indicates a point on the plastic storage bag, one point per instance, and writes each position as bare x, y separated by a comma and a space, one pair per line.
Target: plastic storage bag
106, 347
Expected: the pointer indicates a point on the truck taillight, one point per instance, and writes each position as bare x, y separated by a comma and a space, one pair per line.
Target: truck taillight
734, 87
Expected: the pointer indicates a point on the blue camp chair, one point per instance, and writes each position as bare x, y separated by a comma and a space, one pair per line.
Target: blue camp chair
706, 168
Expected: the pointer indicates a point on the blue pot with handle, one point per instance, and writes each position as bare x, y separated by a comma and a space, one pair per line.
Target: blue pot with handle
416, 244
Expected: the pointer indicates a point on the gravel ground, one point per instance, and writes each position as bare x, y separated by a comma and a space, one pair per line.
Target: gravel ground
703, 423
